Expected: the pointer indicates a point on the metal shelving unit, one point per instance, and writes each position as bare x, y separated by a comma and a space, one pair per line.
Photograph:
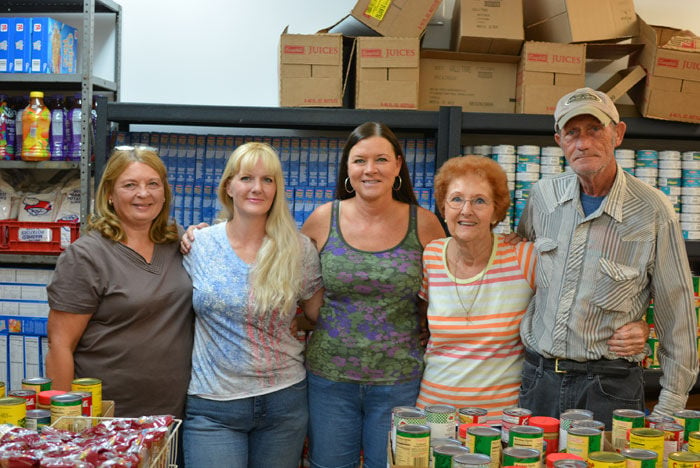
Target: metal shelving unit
434, 123
85, 82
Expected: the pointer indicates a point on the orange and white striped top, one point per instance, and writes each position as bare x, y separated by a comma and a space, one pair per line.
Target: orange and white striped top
474, 356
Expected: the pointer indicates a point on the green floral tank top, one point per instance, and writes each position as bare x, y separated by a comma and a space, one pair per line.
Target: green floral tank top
367, 331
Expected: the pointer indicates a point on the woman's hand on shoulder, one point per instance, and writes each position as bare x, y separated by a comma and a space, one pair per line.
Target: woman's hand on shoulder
188, 237
513, 238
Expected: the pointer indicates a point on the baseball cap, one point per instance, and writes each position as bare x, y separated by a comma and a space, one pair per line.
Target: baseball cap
585, 101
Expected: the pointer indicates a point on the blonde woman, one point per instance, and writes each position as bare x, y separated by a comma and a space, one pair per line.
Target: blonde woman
121, 301
247, 404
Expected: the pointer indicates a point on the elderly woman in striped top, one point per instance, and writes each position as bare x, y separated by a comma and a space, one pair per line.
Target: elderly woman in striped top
478, 285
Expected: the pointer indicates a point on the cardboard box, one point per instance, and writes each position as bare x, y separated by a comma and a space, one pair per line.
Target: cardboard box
396, 18
54, 47
670, 91
579, 20
387, 73
546, 72
5, 25
476, 82
312, 70
20, 45
107, 408
622, 81
489, 27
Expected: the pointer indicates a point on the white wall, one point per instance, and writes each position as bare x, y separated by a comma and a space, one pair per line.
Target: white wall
225, 52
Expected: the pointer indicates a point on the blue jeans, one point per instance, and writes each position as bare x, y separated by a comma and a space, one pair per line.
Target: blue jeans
345, 418
547, 393
265, 430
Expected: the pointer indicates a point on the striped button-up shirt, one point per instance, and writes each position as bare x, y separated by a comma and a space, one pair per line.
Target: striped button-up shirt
596, 273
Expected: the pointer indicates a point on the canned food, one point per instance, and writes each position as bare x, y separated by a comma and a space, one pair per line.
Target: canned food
2, 389
606, 460
94, 386
550, 428
622, 421
13, 410
526, 436
472, 415
67, 404
37, 419
683, 460
402, 415
471, 460
522, 457
29, 397
441, 420
648, 439
594, 423
86, 404
412, 445
583, 440
38, 384
689, 419
639, 458
444, 454
513, 417
694, 442
485, 440
569, 463
565, 420
557, 458
673, 437
652, 420
43, 400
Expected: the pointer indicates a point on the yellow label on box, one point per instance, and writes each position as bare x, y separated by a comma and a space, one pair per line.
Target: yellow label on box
377, 9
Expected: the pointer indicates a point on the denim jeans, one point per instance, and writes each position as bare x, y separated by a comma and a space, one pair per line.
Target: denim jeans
547, 393
345, 418
260, 431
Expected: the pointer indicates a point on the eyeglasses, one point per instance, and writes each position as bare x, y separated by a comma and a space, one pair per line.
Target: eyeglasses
457, 202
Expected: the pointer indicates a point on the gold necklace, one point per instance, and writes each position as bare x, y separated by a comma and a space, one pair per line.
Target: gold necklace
466, 309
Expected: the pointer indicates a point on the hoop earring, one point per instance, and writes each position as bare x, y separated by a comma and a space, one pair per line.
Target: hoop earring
345, 184
396, 189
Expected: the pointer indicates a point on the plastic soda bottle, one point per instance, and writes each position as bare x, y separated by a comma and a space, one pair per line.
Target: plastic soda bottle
36, 121
75, 117
57, 130
4, 149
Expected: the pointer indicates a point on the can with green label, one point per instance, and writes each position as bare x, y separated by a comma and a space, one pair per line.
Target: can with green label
444, 454
639, 458
522, 457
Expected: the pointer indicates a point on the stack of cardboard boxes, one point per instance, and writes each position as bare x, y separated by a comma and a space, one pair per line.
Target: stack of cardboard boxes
505, 56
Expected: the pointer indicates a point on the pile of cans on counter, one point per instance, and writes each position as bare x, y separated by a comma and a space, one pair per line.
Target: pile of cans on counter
442, 436
36, 405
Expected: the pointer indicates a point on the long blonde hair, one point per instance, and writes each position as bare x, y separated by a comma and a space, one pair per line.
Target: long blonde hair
105, 220
276, 276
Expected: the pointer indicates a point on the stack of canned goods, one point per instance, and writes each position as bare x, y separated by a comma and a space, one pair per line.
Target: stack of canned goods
690, 195
625, 158
36, 405
551, 161
423, 438
646, 166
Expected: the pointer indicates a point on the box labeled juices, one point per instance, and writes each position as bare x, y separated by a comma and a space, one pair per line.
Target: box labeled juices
54, 47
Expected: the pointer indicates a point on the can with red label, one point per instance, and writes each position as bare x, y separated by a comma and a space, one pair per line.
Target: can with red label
86, 404
673, 438
28, 395
513, 417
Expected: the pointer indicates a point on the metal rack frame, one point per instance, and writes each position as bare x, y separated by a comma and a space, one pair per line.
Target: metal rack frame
85, 81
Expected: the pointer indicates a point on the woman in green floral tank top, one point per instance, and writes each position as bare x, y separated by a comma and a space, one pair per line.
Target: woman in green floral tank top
365, 355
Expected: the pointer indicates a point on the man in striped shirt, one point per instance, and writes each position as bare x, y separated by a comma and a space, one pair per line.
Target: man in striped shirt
607, 244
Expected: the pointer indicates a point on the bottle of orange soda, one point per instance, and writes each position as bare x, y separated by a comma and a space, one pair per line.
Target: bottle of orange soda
36, 120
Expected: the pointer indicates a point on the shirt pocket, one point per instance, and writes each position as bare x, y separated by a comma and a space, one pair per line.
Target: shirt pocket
546, 250
615, 286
